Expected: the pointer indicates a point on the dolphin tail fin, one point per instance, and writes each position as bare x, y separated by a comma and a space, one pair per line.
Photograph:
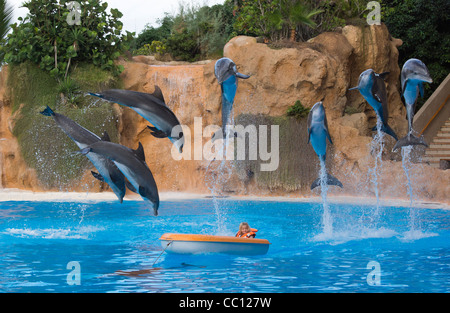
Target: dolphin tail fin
409, 140
48, 112
330, 180
385, 128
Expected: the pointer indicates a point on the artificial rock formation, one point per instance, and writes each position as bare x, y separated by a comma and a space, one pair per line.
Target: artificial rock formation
322, 69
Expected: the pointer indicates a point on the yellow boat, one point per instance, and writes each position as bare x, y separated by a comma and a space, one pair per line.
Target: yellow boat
198, 244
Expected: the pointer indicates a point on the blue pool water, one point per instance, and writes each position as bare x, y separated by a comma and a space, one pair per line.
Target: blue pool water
115, 246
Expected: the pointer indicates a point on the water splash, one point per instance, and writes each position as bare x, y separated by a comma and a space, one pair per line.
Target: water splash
415, 231
218, 172
327, 219
377, 146
406, 164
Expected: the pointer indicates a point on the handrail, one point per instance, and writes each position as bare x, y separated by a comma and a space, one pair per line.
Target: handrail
435, 114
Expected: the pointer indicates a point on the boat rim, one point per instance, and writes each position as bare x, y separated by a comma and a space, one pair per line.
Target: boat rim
211, 238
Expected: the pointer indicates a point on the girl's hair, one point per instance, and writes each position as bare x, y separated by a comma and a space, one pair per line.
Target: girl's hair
243, 224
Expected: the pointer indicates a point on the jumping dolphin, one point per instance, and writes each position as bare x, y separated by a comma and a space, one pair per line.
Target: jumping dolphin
227, 74
372, 88
317, 135
414, 74
153, 108
132, 164
108, 172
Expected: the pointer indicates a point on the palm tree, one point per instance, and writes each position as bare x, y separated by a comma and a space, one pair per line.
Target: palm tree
5, 21
296, 13
5, 18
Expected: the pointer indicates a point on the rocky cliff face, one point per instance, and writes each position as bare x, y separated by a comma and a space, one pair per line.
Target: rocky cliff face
322, 69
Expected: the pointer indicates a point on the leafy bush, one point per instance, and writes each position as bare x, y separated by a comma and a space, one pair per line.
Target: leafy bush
423, 27
194, 33
156, 47
45, 37
297, 110
150, 33
183, 46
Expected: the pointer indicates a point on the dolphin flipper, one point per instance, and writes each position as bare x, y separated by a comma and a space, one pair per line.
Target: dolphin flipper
243, 76
84, 151
331, 180
410, 140
155, 132
97, 176
130, 186
387, 130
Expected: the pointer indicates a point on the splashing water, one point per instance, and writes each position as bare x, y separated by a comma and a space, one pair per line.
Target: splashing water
375, 172
327, 219
218, 172
415, 231
406, 164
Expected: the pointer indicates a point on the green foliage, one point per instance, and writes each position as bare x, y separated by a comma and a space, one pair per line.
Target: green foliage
155, 48
44, 146
69, 88
423, 27
6, 12
183, 46
297, 110
276, 19
45, 37
150, 33
194, 33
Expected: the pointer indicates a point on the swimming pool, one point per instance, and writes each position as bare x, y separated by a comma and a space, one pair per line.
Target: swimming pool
102, 246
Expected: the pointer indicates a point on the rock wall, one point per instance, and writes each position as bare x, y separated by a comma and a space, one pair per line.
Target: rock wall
322, 69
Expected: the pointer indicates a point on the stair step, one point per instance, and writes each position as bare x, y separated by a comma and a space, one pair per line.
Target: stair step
439, 146
440, 153
441, 134
441, 140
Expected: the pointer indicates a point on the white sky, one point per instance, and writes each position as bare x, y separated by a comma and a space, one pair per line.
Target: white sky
136, 13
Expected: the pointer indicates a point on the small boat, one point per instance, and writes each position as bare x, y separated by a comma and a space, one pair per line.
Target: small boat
198, 244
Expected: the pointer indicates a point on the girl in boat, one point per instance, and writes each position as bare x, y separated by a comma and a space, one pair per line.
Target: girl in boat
245, 231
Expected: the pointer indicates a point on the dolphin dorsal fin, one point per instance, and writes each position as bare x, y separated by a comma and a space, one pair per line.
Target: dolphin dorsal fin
139, 152
158, 94
105, 137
